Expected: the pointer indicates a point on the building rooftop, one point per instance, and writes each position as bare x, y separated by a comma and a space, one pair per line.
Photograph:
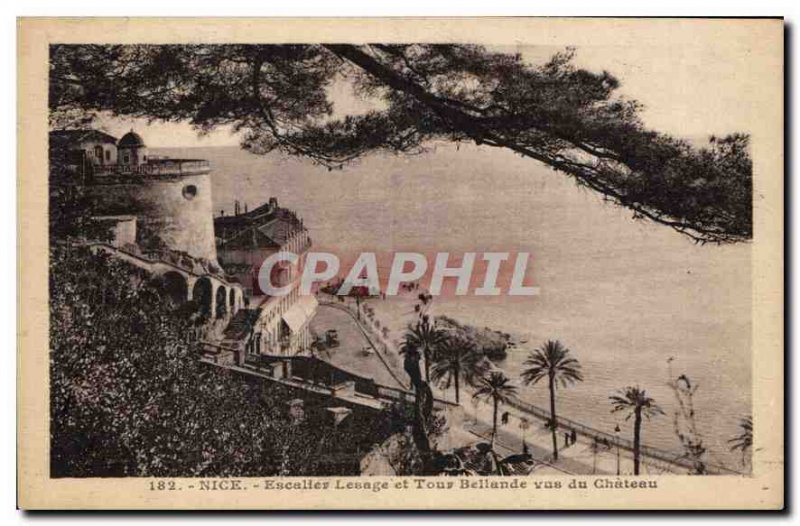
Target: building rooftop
242, 324
72, 140
79, 136
131, 140
268, 226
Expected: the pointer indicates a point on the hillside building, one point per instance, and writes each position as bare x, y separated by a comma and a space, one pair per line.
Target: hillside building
273, 325
160, 214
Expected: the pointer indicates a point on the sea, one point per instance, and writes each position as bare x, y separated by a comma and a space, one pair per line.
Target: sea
632, 300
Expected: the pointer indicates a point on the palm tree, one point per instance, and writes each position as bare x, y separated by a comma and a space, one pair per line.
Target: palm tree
411, 358
552, 361
426, 337
636, 403
495, 387
744, 440
458, 359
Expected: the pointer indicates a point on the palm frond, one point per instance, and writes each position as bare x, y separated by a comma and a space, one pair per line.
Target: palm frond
551, 359
495, 386
744, 440
632, 398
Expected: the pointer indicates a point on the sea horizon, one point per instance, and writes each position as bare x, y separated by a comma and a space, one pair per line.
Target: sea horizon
625, 296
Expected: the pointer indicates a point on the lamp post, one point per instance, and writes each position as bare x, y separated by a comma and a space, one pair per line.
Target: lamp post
616, 433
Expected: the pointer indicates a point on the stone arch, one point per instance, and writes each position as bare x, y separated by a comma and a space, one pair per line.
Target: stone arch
174, 287
221, 302
203, 296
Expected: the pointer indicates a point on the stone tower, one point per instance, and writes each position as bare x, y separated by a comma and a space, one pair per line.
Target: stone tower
170, 199
175, 208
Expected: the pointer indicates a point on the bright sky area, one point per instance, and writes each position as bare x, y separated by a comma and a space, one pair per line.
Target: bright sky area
688, 91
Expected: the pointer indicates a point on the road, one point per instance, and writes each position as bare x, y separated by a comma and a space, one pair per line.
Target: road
350, 355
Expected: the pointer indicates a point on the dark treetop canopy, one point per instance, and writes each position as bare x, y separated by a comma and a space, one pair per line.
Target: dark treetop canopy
568, 118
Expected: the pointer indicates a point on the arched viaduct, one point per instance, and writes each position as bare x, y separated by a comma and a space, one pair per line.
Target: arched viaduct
216, 297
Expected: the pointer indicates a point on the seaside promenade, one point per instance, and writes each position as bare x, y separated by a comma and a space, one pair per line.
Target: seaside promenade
365, 349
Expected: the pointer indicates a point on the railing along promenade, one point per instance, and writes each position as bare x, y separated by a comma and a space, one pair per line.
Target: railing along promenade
662, 455
648, 452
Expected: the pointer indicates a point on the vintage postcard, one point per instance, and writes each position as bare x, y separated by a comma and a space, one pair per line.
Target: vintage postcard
358, 264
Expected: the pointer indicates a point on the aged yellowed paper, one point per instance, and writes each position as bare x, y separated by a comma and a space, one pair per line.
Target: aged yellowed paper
497, 263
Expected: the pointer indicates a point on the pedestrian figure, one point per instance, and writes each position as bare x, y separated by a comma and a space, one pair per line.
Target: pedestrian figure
573, 437
566, 439
504, 418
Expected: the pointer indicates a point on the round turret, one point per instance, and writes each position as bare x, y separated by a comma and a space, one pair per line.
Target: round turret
174, 212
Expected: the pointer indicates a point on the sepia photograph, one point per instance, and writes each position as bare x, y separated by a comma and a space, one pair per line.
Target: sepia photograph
384, 265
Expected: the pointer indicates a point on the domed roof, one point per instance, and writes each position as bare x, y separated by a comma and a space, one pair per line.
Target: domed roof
131, 140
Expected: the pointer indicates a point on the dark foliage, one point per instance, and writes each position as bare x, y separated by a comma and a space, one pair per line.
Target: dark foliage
130, 398
565, 117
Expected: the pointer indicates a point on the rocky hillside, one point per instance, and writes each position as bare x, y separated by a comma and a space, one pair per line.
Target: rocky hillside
494, 344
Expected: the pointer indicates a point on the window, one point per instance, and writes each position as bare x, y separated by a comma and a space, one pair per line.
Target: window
126, 159
108, 155
189, 191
